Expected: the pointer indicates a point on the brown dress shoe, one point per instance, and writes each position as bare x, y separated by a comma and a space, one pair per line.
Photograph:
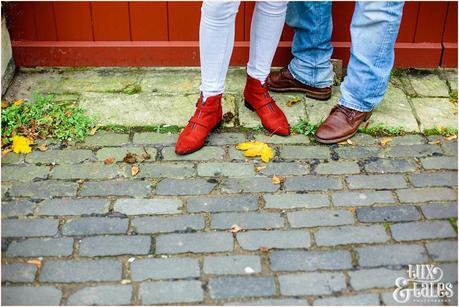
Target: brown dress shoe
340, 125
283, 81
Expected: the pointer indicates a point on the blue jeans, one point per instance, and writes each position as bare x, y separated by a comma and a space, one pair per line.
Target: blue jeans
374, 29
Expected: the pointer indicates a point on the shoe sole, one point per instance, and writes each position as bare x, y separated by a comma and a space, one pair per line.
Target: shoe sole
309, 93
248, 106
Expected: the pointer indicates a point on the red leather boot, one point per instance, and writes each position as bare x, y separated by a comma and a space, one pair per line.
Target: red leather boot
206, 117
257, 99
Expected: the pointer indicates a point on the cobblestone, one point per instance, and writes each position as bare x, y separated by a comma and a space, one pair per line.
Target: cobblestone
310, 260
222, 203
68, 206
370, 299
383, 166
24, 173
303, 152
422, 230
95, 225
350, 235
157, 224
115, 245
29, 228
59, 156
227, 169
230, 287
167, 292
253, 240
434, 179
338, 168
311, 182
18, 272
102, 295
44, 189
374, 278
153, 138
118, 153
435, 163
184, 186
244, 185
17, 208
320, 217
40, 247
28, 295
292, 201
388, 214
66, 271
87, 171
443, 250
387, 255
106, 139
116, 188
166, 170
199, 242
439, 210
311, 283
143, 269
249, 220
376, 182
131, 206
426, 194
223, 265
204, 154
284, 169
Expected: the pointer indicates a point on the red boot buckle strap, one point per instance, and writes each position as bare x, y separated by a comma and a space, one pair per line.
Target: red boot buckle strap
262, 104
207, 108
199, 122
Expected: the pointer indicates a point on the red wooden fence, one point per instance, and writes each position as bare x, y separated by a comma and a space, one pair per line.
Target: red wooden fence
166, 34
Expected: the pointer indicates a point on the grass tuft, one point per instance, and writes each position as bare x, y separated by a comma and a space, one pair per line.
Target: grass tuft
304, 127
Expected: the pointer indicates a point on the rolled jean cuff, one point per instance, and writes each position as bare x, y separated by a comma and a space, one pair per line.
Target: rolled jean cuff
297, 77
351, 103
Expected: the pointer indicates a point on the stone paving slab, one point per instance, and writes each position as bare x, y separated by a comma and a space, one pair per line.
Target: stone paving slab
159, 96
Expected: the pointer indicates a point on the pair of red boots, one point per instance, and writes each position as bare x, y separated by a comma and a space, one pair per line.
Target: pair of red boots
208, 115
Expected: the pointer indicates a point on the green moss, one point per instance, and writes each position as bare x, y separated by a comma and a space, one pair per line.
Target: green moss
441, 131
453, 222
132, 89
382, 130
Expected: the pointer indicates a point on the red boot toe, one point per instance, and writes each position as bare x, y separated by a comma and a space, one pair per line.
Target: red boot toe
257, 99
207, 116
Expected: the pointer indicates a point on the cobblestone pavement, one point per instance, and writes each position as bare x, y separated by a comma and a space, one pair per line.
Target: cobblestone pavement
340, 229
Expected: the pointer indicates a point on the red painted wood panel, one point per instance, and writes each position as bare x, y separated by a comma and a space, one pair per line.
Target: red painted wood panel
409, 21
431, 20
45, 24
73, 21
110, 21
342, 15
450, 32
184, 20
148, 21
21, 21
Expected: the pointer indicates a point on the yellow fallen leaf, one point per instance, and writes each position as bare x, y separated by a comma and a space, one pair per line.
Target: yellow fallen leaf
42, 147
134, 170
5, 104
351, 210
385, 141
259, 168
21, 144
292, 101
18, 102
350, 142
93, 130
434, 142
450, 138
277, 179
255, 149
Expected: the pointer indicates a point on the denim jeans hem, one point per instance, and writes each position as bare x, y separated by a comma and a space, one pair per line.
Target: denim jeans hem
353, 104
304, 81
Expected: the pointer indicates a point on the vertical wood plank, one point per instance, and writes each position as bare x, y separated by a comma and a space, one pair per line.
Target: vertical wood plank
21, 21
342, 16
184, 20
73, 21
409, 21
249, 7
110, 21
44, 21
431, 21
450, 33
148, 21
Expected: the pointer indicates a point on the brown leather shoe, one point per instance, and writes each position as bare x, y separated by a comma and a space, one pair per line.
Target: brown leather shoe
283, 81
340, 125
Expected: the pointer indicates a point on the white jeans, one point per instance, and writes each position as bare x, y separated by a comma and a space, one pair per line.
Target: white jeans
216, 40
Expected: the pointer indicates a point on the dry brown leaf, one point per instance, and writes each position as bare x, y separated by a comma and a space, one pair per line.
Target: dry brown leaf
450, 138
292, 101
130, 158
352, 210
134, 170
146, 155
440, 127
93, 130
6, 151
5, 104
236, 228
342, 143
350, 142
259, 168
434, 142
125, 281
264, 249
277, 179
109, 160
37, 262
42, 147
385, 141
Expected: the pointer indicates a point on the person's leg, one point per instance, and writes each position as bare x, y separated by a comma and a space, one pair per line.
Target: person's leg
216, 40
267, 24
311, 45
265, 32
374, 30
310, 70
